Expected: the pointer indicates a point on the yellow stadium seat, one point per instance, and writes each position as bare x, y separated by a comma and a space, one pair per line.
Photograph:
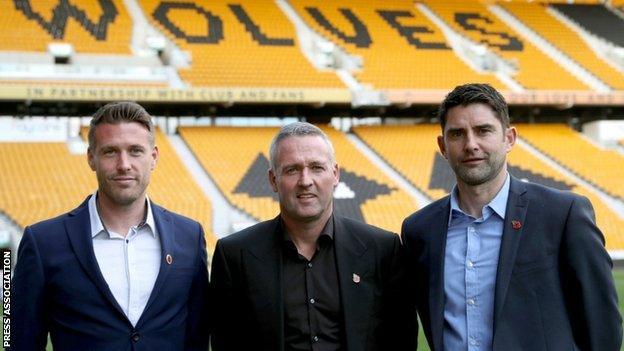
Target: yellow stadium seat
43, 180
400, 47
91, 26
237, 159
535, 70
411, 150
537, 17
570, 149
245, 44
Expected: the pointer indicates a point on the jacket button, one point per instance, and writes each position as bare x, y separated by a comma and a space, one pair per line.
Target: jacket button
135, 336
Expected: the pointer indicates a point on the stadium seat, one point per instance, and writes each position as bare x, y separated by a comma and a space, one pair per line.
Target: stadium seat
399, 46
535, 70
597, 19
252, 44
90, 26
413, 152
43, 180
575, 152
237, 160
537, 17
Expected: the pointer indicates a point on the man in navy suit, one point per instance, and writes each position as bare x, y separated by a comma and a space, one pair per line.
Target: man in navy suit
502, 264
118, 272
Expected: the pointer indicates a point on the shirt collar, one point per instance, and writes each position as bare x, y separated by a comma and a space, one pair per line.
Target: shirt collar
498, 203
96, 224
328, 229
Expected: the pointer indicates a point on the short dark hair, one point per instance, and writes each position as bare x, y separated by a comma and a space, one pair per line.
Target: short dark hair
118, 112
474, 93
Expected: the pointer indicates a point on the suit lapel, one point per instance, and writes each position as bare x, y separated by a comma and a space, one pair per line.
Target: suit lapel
263, 268
166, 234
78, 227
351, 262
438, 230
517, 205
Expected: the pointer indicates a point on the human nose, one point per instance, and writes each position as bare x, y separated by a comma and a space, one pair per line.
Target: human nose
305, 180
123, 162
471, 142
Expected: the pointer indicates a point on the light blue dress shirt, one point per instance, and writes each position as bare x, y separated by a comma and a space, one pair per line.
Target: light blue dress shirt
470, 263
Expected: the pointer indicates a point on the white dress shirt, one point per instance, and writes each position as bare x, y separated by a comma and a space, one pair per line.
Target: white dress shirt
129, 264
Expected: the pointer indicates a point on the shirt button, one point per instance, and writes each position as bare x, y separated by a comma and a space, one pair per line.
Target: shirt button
471, 302
315, 338
309, 264
470, 264
312, 301
135, 337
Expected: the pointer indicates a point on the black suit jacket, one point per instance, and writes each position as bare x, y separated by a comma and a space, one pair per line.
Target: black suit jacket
58, 288
247, 289
554, 289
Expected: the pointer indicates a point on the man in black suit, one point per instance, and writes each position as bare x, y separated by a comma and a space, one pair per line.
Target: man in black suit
308, 279
503, 264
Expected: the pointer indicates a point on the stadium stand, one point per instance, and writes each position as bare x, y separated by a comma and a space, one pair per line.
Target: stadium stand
237, 160
390, 34
536, 16
237, 45
597, 19
535, 69
413, 152
579, 155
42, 180
91, 26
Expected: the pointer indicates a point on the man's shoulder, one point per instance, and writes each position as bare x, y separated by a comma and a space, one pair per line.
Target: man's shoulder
54, 224
250, 236
550, 195
178, 218
432, 212
362, 228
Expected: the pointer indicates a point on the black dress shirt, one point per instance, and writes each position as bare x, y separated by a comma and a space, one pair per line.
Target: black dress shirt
312, 311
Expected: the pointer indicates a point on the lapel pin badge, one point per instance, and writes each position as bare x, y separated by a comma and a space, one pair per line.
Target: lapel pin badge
169, 259
356, 278
516, 224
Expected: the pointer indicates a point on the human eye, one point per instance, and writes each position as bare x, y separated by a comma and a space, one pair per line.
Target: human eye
484, 130
108, 152
290, 170
455, 133
136, 151
317, 168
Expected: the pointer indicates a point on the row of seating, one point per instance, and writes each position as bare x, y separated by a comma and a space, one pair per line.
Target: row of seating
43, 180
399, 45
412, 151
538, 17
237, 159
254, 44
248, 45
91, 26
590, 162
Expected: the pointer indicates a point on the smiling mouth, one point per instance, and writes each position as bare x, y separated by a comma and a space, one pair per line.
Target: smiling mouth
123, 180
306, 196
473, 160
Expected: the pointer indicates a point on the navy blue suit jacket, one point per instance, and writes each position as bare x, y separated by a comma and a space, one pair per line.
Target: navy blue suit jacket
59, 289
554, 289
